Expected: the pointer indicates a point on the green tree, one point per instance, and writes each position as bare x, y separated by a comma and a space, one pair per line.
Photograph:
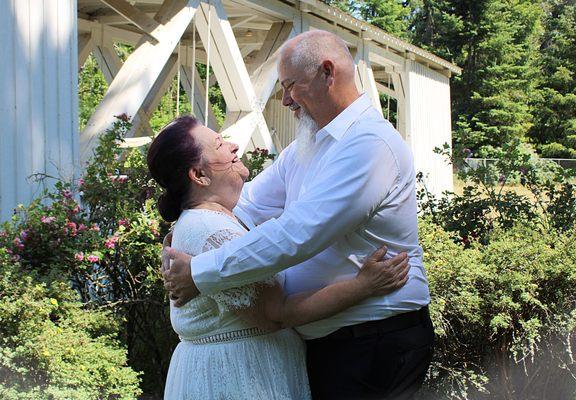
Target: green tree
496, 42
390, 15
554, 130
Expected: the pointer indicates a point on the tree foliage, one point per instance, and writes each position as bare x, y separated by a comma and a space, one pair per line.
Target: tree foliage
518, 59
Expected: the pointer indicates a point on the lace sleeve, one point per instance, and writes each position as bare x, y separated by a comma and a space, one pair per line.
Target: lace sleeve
233, 298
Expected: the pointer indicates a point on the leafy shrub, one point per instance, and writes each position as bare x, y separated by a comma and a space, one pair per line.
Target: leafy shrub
255, 161
504, 313
488, 202
51, 347
557, 150
101, 236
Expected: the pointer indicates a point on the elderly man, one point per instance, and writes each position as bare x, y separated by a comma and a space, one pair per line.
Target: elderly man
344, 187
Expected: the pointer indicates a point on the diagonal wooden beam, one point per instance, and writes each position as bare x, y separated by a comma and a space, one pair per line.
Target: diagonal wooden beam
385, 89
84, 48
140, 19
265, 75
225, 56
139, 73
198, 96
277, 35
242, 21
239, 127
110, 64
153, 98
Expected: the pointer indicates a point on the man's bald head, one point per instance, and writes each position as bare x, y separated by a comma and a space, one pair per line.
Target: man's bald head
309, 49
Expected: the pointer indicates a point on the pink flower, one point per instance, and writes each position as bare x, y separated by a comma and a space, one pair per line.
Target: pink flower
80, 182
82, 227
123, 222
111, 242
95, 228
71, 228
47, 220
92, 258
24, 234
66, 193
76, 209
79, 256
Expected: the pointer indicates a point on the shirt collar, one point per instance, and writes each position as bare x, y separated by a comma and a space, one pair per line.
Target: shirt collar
339, 125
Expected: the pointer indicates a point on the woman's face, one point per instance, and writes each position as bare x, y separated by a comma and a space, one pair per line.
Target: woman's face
220, 161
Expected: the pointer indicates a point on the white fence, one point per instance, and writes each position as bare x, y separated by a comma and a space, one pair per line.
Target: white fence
565, 163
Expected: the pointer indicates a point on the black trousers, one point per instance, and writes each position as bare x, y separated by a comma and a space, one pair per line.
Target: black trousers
385, 359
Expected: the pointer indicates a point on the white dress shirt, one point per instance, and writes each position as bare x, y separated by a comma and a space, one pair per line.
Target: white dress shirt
322, 217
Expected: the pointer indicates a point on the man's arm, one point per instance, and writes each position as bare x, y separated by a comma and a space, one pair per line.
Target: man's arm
350, 186
264, 197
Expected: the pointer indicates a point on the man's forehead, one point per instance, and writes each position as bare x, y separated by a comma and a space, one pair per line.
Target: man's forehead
286, 71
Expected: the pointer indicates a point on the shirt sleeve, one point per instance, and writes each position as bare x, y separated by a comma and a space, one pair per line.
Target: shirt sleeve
352, 184
264, 197
237, 297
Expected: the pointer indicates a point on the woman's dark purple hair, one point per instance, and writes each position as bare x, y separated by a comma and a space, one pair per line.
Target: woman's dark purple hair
170, 156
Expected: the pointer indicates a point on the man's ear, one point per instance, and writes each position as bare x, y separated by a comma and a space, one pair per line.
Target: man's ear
198, 176
327, 71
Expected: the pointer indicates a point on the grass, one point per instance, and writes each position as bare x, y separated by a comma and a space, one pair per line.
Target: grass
517, 188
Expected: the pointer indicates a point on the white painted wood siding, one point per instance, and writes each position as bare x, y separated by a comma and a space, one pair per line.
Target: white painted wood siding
428, 124
38, 101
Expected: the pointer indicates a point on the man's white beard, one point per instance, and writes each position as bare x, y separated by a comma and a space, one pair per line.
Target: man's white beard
306, 129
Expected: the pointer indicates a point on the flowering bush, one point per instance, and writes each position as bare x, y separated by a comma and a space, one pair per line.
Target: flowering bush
101, 236
255, 161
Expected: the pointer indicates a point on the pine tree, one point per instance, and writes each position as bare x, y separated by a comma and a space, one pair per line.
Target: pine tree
496, 42
554, 130
389, 15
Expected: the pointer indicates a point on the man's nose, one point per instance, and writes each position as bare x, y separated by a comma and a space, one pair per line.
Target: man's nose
286, 98
233, 147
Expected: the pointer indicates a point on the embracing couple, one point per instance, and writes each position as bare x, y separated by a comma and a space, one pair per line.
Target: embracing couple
308, 281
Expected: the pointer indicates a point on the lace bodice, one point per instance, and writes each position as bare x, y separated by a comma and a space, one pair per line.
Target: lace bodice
195, 232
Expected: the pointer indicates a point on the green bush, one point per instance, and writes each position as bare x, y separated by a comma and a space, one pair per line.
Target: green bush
101, 237
52, 347
504, 313
557, 150
489, 200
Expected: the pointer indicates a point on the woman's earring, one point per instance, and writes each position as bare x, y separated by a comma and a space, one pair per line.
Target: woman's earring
206, 180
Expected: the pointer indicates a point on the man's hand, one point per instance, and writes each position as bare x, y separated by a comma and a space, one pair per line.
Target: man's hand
177, 275
381, 277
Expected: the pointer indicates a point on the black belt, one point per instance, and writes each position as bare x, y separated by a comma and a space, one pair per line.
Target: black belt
395, 323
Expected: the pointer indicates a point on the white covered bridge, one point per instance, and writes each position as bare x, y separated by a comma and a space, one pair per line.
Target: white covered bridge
45, 42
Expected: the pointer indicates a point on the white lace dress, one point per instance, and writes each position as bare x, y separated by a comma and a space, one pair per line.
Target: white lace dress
220, 356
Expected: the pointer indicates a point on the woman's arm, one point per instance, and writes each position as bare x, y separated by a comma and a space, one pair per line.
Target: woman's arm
377, 277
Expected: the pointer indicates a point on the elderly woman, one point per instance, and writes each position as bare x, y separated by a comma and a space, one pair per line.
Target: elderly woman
237, 344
